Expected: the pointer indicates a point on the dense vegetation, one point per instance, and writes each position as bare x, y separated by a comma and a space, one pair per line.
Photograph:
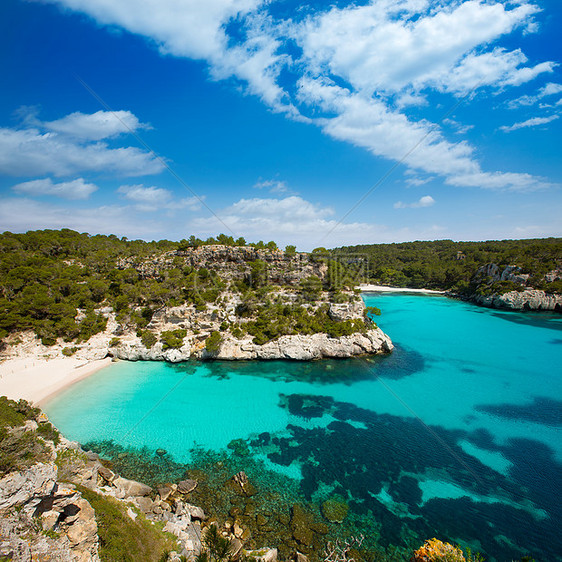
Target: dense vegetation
57, 284
444, 264
19, 449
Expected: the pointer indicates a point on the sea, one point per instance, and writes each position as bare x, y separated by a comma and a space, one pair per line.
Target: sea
455, 435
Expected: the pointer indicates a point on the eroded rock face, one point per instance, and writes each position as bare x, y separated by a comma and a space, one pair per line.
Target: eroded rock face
530, 299
297, 347
58, 508
36, 482
527, 298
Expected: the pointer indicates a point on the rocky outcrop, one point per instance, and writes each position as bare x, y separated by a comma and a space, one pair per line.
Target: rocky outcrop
529, 299
232, 262
298, 348
493, 273
33, 495
488, 279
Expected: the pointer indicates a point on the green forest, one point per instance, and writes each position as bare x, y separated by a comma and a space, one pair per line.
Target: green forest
448, 265
55, 282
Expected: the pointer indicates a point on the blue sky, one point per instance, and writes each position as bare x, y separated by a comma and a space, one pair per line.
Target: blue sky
312, 123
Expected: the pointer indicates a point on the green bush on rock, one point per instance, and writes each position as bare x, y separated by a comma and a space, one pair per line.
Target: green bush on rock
173, 338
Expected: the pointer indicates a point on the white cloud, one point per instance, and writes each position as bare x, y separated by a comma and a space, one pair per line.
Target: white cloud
390, 45
75, 189
96, 126
273, 186
21, 214
458, 127
32, 152
425, 201
148, 199
370, 124
498, 67
549, 89
187, 28
501, 180
384, 56
294, 220
533, 122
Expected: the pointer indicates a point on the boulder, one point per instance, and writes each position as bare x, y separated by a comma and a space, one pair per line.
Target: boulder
19, 488
186, 486
146, 505
165, 492
131, 488
195, 512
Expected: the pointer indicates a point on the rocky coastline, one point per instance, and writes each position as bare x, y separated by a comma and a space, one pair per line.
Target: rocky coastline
529, 299
491, 280
123, 342
44, 513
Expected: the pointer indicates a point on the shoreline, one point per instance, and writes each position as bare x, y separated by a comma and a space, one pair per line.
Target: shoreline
366, 288
38, 380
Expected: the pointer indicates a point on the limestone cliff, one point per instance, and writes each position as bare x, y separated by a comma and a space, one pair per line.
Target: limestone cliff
512, 289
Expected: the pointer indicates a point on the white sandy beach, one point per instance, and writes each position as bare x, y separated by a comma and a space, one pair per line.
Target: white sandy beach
366, 288
37, 380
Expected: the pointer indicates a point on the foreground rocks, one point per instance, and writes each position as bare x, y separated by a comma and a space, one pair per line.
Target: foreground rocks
42, 519
44, 516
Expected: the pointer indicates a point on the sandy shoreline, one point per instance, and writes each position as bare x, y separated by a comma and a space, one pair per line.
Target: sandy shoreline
366, 288
37, 380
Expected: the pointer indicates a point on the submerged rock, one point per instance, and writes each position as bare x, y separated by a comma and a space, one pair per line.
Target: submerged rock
335, 510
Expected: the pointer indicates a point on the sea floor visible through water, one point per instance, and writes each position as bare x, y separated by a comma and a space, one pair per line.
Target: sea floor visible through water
454, 435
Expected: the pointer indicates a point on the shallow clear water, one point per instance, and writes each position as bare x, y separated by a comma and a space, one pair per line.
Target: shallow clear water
457, 434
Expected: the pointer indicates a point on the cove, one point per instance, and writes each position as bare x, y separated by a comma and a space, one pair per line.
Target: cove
457, 434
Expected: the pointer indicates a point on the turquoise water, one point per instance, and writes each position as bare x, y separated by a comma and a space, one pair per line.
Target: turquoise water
457, 434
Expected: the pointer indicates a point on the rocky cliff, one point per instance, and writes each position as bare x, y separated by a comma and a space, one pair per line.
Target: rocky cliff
194, 327
512, 289
528, 299
298, 348
232, 262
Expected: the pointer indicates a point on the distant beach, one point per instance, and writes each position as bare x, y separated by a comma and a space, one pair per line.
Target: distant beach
366, 288
37, 380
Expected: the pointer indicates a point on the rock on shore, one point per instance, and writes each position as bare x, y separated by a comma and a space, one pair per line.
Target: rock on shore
529, 299
298, 348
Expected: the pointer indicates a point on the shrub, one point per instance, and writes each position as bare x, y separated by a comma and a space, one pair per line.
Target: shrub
148, 339
114, 342
213, 342
173, 338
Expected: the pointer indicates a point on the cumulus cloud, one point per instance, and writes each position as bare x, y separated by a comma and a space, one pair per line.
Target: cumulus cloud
549, 89
425, 201
37, 150
533, 122
96, 126
394, 44
356, 68
152, 198
293, 220
75, 189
